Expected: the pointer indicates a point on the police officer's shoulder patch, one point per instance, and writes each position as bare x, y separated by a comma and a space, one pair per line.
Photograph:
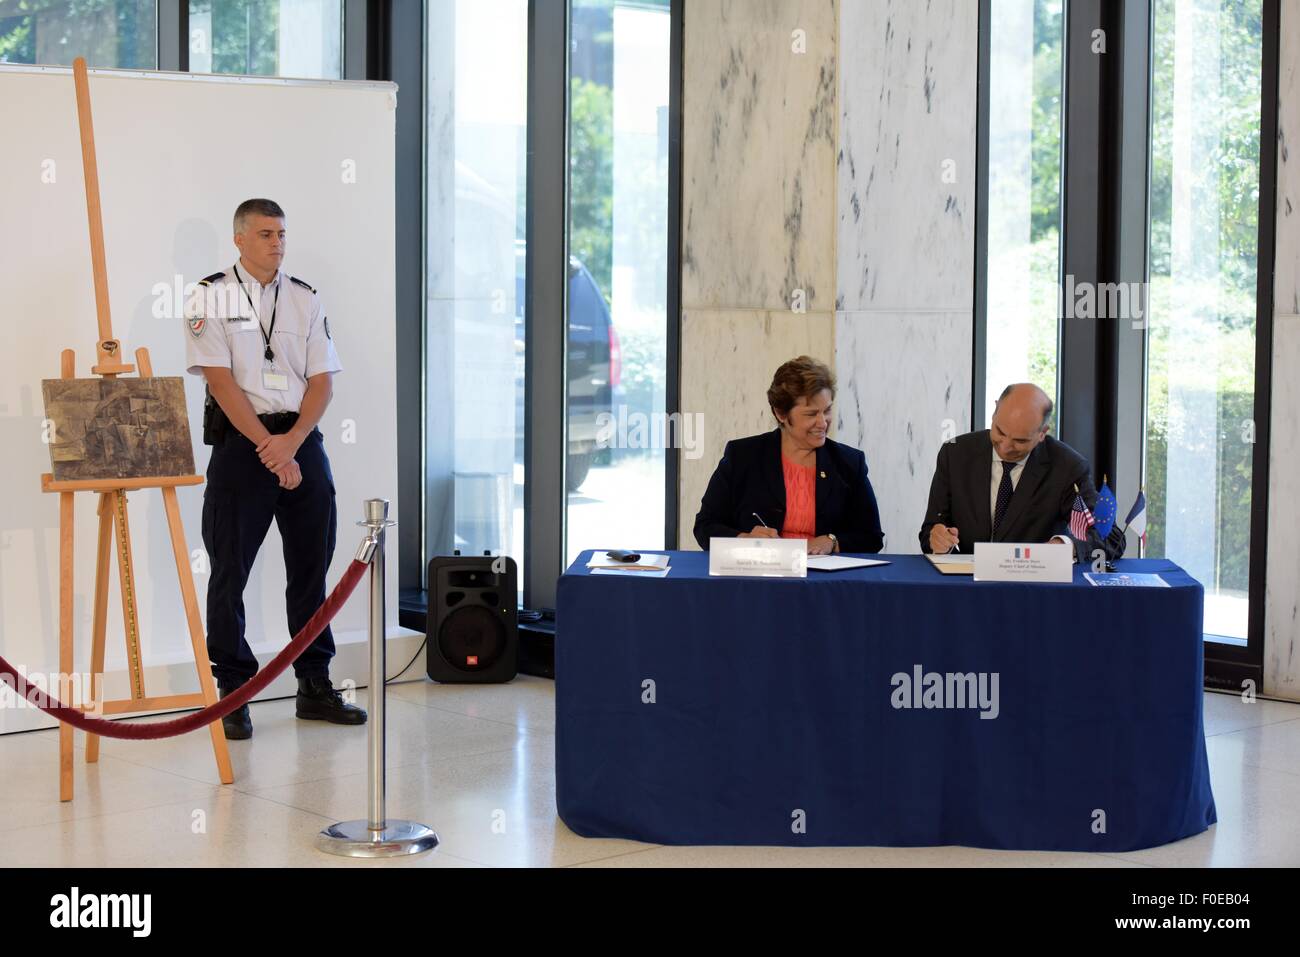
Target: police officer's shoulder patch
305, 285
208, 280
197, 325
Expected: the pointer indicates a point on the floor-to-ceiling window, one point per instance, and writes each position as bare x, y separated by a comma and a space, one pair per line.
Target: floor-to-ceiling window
482, 247
1205, 197
475, 196
1023, 238
618, 273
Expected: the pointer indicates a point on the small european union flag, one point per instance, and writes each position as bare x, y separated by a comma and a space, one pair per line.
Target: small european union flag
1106, 509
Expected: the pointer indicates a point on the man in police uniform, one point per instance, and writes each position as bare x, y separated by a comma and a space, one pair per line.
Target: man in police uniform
260, 339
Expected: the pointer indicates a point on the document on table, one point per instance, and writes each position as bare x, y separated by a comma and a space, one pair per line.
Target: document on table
648, 573
1126, 580
648, 564
837, 563
954, 564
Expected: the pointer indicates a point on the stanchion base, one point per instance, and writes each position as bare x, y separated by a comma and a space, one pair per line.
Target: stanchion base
356, 839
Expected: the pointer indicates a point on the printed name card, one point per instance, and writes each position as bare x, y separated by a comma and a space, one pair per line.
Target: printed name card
1026, 562
763, 557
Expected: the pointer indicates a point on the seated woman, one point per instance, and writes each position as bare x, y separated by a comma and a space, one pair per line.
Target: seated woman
793, 481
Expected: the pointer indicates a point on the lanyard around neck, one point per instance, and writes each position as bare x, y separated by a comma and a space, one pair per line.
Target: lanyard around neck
275, 304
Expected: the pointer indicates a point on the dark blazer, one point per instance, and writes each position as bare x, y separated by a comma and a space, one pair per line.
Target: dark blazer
749, 479
1039, 509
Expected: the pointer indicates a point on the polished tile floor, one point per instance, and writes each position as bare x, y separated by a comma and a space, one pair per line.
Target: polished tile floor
477, 763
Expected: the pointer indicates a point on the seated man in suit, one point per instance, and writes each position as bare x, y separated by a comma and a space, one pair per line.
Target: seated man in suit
1011, 483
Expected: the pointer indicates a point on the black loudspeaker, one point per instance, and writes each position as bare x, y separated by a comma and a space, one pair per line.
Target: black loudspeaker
473, 620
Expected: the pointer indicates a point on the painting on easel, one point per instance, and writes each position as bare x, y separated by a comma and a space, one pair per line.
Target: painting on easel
111, 435
118, 428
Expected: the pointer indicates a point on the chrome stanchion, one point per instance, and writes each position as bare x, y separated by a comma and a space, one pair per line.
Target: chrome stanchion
377, 836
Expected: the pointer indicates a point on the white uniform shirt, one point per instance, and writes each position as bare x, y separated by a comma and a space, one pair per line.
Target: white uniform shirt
224, 327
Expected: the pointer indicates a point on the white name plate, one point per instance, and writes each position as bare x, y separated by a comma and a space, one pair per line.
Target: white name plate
765, 557
1025, 562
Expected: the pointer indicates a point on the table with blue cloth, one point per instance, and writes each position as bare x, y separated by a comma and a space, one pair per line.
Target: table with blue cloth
713, 710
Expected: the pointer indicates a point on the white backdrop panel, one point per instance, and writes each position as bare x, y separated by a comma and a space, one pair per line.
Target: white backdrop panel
176, 155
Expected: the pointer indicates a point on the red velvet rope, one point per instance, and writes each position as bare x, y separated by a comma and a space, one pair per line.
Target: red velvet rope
166, 729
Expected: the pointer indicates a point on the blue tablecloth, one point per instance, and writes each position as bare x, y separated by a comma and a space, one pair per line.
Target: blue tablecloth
698, 710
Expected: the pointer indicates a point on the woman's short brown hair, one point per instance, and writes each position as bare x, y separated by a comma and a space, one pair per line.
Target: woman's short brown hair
800, 378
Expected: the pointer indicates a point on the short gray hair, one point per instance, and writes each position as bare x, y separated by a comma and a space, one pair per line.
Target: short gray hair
258, 207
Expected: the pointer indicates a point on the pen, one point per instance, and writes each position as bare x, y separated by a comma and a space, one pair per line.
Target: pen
760, 520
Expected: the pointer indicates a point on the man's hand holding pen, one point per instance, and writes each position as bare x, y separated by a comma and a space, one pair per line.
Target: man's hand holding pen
943, 538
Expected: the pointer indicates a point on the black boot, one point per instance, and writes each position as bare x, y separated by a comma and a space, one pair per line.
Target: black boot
238, 724
318, 701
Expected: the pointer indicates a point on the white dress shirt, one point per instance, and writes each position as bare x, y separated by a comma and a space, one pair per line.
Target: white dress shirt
1015, 481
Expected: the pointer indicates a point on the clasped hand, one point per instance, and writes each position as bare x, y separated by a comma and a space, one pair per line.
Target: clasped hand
277, 454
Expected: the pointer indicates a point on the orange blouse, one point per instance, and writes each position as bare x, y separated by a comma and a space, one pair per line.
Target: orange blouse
800, 500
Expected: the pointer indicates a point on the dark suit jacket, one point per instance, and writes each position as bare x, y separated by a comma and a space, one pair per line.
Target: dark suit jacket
749, 479
1040, 506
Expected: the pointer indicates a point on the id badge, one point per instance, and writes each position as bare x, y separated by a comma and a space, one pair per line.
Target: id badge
277, 381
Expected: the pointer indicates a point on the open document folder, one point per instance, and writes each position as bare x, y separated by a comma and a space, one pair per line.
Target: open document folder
954, 564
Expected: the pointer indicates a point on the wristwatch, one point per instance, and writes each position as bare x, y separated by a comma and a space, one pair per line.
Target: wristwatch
835, 542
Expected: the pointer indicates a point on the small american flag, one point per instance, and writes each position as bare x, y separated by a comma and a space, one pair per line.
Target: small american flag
1080, 518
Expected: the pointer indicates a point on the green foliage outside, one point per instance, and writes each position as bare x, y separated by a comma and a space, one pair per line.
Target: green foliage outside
644, 225
1228, 374
1045, 191
245, 35
591, 179
108, 33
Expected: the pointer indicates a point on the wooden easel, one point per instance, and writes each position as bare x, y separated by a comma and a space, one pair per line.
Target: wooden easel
114, 525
